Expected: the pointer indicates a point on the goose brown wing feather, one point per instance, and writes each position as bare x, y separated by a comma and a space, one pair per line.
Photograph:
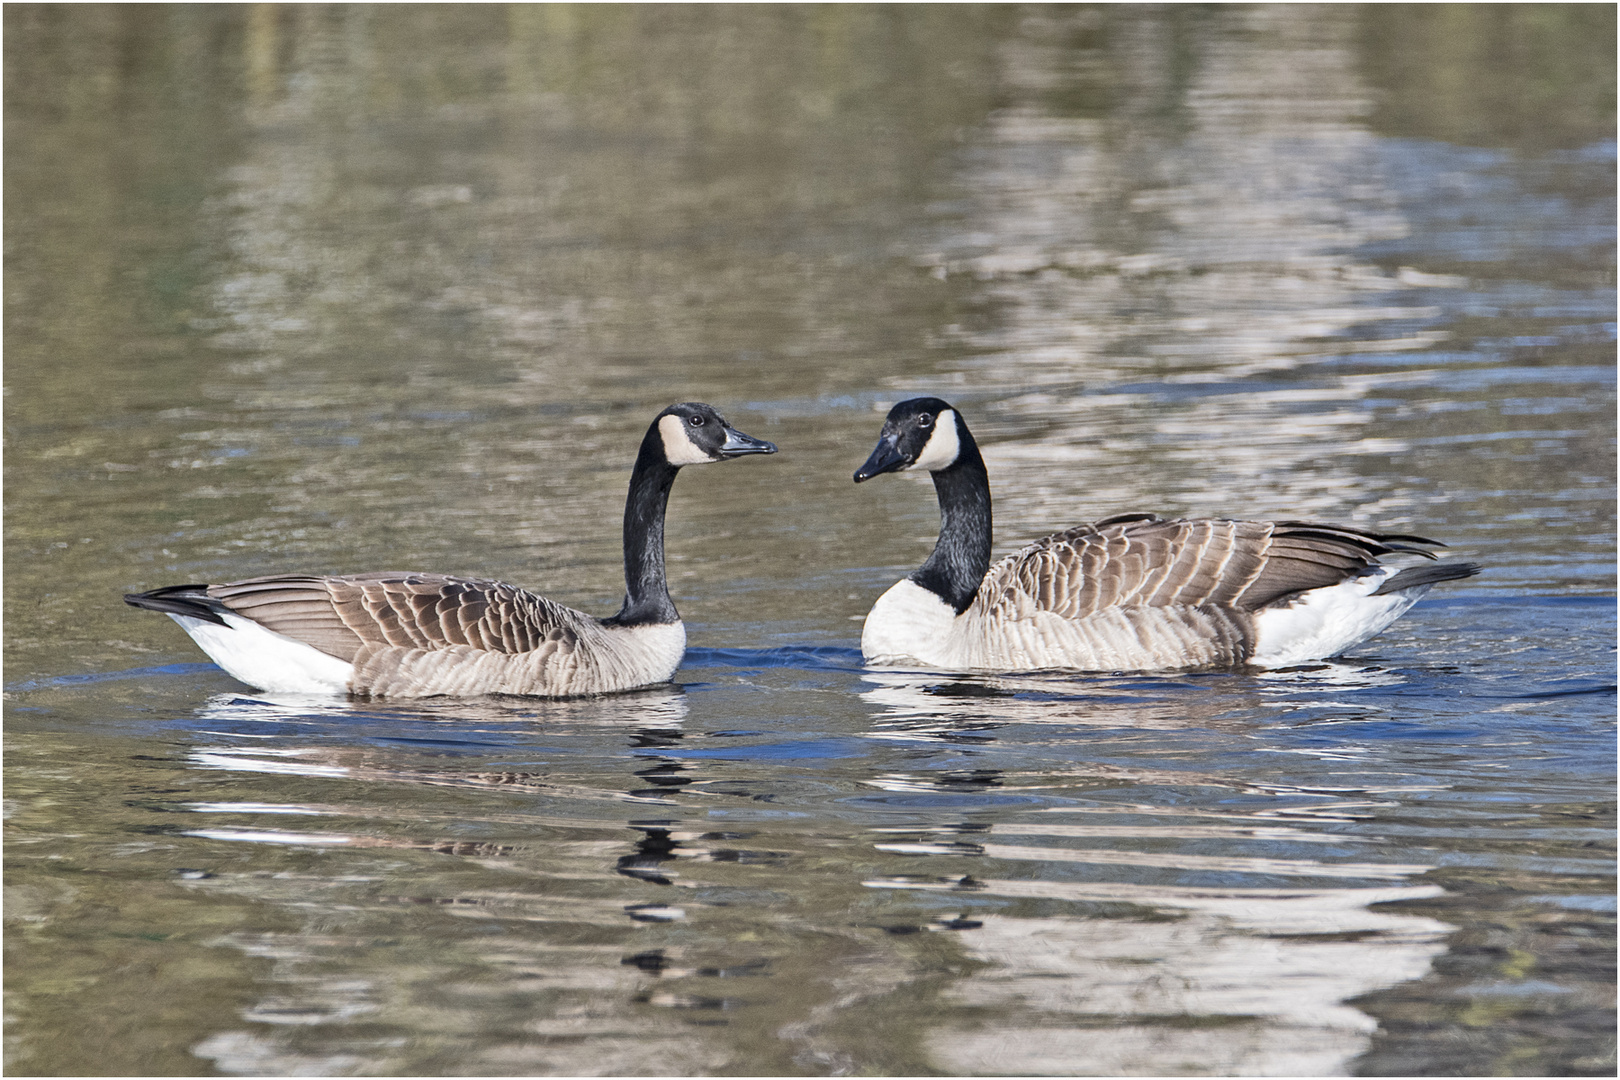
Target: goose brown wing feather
1308, 555
299, 607
425, 612
1379, 541
1143, 560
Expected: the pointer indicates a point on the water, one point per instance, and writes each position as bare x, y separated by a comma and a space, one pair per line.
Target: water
342, 289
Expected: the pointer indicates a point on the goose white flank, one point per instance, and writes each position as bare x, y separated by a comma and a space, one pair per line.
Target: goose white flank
1133, 592
418, 635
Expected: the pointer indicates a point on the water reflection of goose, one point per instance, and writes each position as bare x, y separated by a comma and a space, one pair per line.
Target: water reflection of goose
1245, 979
968, 708
918, 705
264, 734
1244, 982
420, 635
663, 842
1131, 593
651, 709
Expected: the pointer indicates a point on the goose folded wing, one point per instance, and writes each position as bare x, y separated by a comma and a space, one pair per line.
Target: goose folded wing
1306, 555
1142, 560
427, 612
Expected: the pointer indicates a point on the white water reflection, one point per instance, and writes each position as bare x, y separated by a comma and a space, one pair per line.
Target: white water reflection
920, 705
268, 836
1222, 982
238, 715
507, 985
266, 760
464, 726
1151, 281
1230, 977
1227, 864
314, 1022
927, 706
1245, 209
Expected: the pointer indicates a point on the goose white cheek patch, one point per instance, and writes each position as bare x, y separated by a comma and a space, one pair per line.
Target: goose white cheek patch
678, 448
943, 445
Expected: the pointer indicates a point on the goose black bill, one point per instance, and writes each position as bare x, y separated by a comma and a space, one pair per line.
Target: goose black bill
739, 445
885, 458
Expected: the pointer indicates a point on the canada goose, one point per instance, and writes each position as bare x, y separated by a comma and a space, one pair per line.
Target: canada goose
1131, 593
419, 635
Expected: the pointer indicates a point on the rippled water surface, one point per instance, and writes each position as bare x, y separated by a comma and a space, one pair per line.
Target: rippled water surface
339, 289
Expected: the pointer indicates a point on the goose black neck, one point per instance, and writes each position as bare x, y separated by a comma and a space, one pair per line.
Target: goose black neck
646, 589
962, 554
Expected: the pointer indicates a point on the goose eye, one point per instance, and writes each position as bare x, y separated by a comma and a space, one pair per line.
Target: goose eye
697, 421
924, 420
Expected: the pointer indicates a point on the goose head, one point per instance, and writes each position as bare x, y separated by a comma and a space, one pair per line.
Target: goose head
922, 433
693, 433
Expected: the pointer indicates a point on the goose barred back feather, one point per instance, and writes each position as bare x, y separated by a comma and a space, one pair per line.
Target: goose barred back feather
1142, 559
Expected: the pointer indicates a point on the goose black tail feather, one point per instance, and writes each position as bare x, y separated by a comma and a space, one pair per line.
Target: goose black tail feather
192, 601
1414, 576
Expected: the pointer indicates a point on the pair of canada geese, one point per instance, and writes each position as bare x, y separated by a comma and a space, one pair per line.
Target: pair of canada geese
1130, 593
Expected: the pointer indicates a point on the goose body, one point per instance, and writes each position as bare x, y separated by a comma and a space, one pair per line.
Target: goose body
1131, 593
418, 635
